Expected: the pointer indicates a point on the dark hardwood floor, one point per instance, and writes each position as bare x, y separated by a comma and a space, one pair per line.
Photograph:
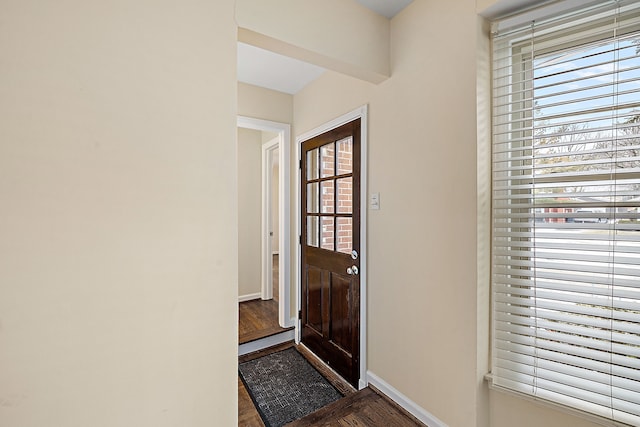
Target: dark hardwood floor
276, 277
366, 407
247, 414
258, 318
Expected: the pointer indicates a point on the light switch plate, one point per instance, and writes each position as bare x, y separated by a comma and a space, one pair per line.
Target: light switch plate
374, 201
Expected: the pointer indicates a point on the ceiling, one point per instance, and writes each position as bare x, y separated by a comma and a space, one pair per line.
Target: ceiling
264, 68
388, 8
270, 70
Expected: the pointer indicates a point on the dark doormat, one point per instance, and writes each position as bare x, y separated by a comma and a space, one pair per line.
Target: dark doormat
285, 387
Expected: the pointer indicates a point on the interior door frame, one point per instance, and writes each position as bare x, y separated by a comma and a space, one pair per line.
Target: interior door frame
268, 148
284, 187
359, 113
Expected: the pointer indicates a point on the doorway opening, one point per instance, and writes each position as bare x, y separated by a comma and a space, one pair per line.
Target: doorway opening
275, 214
270, 219
331, 277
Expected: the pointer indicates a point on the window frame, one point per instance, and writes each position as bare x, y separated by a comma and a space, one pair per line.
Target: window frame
524, 134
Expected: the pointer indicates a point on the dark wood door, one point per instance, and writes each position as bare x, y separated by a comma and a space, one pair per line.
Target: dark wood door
331, 248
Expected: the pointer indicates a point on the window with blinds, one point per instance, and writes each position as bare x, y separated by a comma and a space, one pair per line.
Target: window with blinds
566, 210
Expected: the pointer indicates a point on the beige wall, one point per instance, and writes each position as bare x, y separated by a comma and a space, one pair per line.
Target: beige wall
118, 302
249, 211
421, 243
264, 104
340, 35
508, 411
485, 4
268, 136
428, 281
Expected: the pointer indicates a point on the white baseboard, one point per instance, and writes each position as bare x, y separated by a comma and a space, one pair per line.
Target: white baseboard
291, 323
249, 297
267, 342
402, 400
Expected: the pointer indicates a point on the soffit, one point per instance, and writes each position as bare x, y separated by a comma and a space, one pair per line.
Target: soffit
260, 67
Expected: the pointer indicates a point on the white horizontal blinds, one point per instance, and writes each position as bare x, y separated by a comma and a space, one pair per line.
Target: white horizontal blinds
566, 210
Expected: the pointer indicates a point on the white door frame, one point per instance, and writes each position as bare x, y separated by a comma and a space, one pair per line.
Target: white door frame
268, 149
284, 146
359, 113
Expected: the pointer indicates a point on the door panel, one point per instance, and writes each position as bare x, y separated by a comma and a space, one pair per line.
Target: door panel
331, 233
314, 299
341, 308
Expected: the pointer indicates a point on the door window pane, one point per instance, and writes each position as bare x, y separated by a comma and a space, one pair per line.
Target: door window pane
328, 196
312, 197
344, 235
345, 195
312, 164
328, 160
312, 231
327, 230
345, 156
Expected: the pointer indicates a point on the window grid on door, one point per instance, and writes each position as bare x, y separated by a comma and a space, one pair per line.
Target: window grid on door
329, 193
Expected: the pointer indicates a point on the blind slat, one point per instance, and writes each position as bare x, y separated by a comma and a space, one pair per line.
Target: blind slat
562, 316
566, 209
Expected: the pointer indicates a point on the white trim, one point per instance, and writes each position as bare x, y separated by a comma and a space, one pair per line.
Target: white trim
588, 416
337, 122
268, 149
266, 342
362, 114
525, 16
364, 202
284, 262
406, 403
249, 297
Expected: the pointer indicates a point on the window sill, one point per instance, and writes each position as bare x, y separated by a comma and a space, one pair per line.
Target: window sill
606, 422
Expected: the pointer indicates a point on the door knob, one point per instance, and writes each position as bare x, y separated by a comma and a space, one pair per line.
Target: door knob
354, 254
353, 270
